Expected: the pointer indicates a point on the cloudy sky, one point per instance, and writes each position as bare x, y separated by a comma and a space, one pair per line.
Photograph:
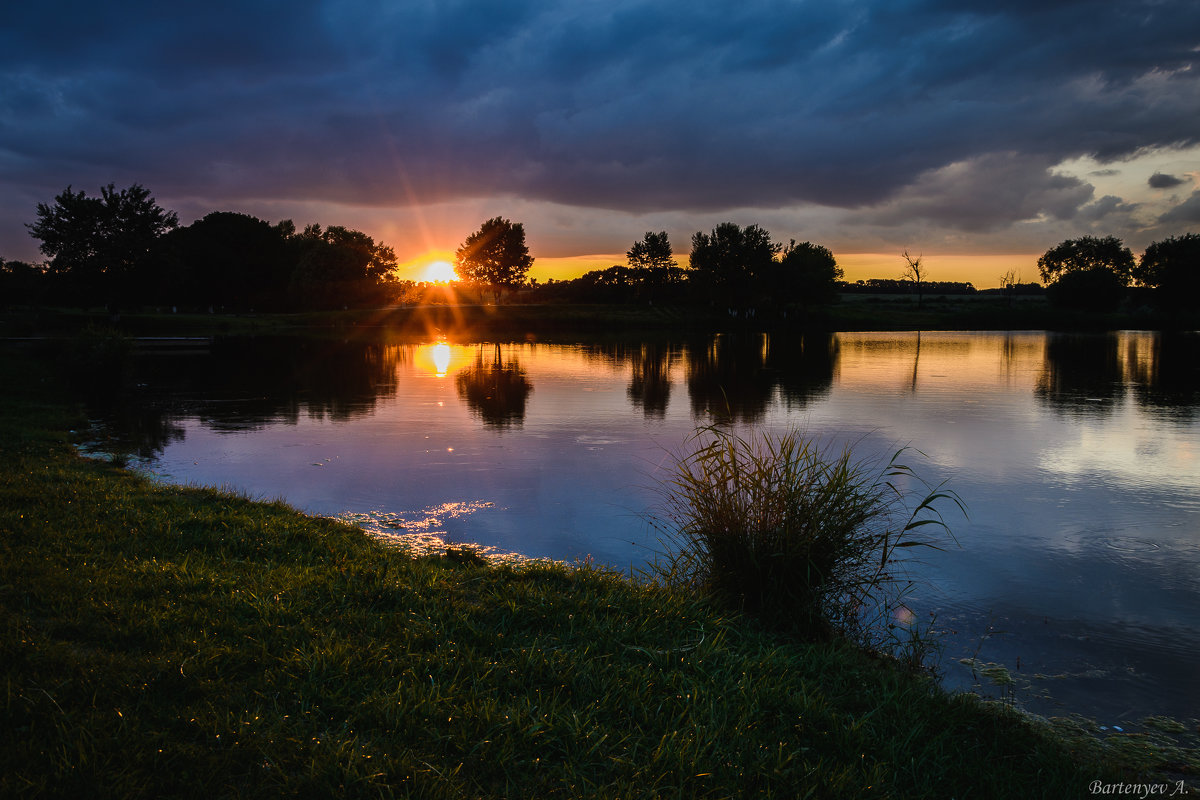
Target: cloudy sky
976, 134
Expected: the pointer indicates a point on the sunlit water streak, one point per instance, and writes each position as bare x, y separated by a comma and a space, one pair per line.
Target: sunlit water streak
1078, 456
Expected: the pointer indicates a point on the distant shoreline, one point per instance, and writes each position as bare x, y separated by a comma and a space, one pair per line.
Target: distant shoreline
856, 312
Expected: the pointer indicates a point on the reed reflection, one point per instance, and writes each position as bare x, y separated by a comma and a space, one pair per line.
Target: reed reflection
494, 389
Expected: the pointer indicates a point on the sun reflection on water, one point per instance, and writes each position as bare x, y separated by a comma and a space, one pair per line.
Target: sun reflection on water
441, 358
423, 533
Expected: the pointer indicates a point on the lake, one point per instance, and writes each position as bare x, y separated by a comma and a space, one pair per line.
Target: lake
1078, 457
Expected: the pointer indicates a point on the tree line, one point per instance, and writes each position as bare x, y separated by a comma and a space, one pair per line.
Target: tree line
1097, 274
123, 250
735, 267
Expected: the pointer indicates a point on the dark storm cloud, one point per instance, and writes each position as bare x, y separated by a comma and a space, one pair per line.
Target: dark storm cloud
1160, 181
626, 105
1186, 212
986, 194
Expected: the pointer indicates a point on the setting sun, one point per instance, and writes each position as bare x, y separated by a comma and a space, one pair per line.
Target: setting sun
439, 272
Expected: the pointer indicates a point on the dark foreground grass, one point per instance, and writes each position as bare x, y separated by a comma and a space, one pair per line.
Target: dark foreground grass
175, 642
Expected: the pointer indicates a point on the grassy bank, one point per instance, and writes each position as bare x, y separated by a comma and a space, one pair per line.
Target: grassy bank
178, 642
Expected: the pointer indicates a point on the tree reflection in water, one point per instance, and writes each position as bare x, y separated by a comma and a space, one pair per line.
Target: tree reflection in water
734, 376
1166, 372
495, 390
727, 377
803, 365
650, 383
1083, 373
245, 384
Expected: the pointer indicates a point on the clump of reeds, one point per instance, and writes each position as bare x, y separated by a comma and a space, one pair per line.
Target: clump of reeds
801, 536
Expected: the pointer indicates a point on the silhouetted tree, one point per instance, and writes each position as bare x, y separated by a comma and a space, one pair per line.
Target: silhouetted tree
1008, 283
807, 274
340, 267
228, 260
101, 246
1172, 268
495, 256
657, 275
915, 273
1088, 273
731, 262
21, 283
1096, 289
652, 252
1087, 253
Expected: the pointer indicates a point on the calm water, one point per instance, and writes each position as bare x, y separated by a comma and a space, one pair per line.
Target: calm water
1078, 456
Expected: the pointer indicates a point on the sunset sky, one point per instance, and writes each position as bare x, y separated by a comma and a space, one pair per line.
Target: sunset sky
977, 135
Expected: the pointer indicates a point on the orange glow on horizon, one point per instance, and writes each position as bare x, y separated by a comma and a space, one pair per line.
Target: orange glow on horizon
984, 271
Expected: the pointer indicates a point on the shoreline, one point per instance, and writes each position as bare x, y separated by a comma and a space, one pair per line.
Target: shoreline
555, 321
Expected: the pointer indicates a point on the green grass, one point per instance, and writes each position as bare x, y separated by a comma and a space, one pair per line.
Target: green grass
183, 642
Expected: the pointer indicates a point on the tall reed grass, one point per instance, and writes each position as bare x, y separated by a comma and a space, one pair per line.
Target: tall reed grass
806, 538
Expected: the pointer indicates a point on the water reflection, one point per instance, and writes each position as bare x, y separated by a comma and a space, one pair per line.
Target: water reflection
247, 384
804, 366
727, 377
1083, 374
494, 388
1165, 372
650, 384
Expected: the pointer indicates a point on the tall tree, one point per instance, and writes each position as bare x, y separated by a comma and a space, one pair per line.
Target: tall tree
1087, 253
1087, 273
807, 274
102, 244
495, 256
732, 262
1172, 268
342, 267
652, 252
228, 260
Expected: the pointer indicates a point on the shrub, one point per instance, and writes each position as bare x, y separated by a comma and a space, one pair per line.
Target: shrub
805, 539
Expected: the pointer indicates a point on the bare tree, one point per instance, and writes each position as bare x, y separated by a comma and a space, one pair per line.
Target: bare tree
1008, 282
914, 272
